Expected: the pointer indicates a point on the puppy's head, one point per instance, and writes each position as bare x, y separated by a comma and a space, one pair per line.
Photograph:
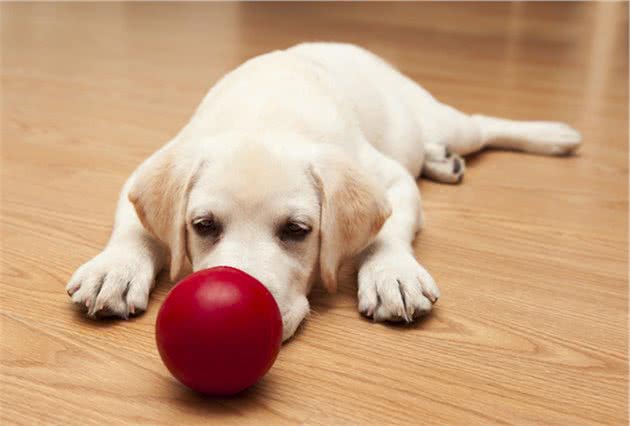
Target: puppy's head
284, 217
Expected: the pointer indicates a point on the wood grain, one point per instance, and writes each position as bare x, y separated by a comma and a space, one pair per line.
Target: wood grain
530, 252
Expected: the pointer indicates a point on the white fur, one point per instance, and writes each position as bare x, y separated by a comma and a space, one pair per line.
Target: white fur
326, 133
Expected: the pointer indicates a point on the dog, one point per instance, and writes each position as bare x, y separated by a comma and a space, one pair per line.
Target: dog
294, 163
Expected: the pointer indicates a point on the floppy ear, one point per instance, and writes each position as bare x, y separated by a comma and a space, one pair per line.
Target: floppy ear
353, 210
159, 194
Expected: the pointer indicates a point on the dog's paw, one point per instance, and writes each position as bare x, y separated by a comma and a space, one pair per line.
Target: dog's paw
550, 138
393, 286
442, 165
117, 282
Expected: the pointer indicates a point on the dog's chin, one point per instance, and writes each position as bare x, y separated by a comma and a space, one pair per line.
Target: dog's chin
292, 316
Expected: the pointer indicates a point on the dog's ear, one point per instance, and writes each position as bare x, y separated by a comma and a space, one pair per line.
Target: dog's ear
159, 193
353, 210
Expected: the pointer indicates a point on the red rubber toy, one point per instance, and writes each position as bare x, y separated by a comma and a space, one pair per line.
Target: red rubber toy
219, 331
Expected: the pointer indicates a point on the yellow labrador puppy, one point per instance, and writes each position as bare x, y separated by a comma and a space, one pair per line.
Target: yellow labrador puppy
295, 162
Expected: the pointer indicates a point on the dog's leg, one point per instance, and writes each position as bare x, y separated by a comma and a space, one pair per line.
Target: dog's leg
464, 134
453, 134
392, 285
118, 280
538, 137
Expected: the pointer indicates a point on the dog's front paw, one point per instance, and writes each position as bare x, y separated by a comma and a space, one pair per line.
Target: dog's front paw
117, 282
393, 286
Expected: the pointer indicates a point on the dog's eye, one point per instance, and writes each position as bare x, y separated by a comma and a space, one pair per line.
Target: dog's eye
294, 231
207, 227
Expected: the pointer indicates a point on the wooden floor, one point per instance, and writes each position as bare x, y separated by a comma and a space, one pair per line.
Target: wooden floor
530, 252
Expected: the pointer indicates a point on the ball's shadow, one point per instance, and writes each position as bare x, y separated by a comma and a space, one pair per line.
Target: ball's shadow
218, 406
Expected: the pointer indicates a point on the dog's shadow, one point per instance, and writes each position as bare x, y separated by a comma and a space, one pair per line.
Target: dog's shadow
322, 301
423, 322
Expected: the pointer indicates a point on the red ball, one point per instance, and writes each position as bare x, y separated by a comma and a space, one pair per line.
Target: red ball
219, 331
